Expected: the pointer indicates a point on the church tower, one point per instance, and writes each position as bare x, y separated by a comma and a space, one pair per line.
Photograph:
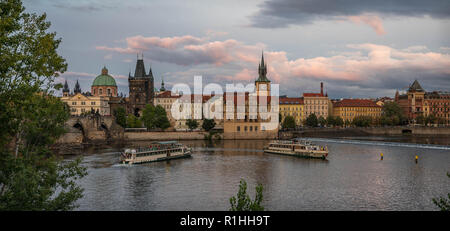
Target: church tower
262, 84
66, 89
141, 88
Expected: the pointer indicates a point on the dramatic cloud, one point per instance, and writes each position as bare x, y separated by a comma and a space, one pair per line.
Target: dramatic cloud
368, 65
282, 13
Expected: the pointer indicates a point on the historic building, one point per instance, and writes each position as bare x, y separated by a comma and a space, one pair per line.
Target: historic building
141, 88
103, 94
317, 103
104, 85
348, 109
418, 102
253, 124
83, 103
292, 107
413, 101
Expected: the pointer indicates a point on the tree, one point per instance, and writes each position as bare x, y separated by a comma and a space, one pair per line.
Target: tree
392, 114
362, 121
208, 124
149, 116
133, 121
338, 121
192, 124
31, 118
288, 122
322, 121
242, 201
121, 117
155, 117
443, 203
420, 119
161, 118
331, 120
311, 120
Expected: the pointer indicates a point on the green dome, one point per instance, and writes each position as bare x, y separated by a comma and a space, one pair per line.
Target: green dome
104, 79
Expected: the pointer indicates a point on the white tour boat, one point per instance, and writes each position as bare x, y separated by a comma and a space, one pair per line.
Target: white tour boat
299, 148
156, 151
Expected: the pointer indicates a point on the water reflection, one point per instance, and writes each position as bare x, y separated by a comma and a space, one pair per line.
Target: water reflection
353, 178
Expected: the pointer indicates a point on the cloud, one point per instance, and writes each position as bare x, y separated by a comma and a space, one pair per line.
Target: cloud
361, 66
283, 13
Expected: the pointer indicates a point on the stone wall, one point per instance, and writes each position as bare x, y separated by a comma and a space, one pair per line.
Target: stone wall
166, 135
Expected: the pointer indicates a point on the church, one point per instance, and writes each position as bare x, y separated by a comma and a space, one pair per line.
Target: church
141, 88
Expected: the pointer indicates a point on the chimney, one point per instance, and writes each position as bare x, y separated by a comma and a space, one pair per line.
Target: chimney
321, 88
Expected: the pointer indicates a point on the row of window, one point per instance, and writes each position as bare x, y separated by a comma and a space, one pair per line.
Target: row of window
100, 91
82, 103
247, 128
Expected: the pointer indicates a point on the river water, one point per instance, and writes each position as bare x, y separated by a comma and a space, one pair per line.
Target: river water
353, 177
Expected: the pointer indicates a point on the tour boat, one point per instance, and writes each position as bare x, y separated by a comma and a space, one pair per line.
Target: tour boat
156, 151
299, 148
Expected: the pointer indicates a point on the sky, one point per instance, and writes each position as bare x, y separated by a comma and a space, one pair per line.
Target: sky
359, 49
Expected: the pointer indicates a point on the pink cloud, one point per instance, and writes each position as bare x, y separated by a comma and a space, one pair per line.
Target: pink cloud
370, 19
239, 60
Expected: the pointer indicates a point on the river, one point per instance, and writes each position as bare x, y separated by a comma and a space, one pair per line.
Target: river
353, 177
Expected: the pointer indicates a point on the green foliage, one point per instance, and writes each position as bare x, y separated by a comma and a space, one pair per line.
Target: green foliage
331, 121
392, 115
133, 121
442, 202
338, 121
288, 122
208, 124
192, 124
242, 201
121, 117
312, 120
420, 119
362, 121
155, 117
322, 121
31, 119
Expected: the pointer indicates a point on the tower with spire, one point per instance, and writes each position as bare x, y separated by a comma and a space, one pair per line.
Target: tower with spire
77, 88
162, 85
262, 84
141, 87
66, 90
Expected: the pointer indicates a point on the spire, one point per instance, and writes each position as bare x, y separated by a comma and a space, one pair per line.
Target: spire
262, 70
140, 68
66, 86
150, 74
77, 88
162, 84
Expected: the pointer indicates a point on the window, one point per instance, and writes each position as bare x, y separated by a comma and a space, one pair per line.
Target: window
245, 128
109, 91
92, 103
100, 91
256, 128
83, 103
238, 128
74, 103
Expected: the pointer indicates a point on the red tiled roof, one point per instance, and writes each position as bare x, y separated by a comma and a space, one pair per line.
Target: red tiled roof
355, 103
286, 100
313, 95
167, 94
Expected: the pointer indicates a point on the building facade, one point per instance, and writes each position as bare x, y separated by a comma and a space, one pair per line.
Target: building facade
82, 104
417, 102
317, 103
141, 88
292, 107
348, 109
412, 102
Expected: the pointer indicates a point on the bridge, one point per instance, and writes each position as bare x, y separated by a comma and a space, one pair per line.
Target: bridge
91, 128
